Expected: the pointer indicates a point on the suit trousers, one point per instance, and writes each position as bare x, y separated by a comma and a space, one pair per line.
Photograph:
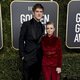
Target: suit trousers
31, 72
50, 73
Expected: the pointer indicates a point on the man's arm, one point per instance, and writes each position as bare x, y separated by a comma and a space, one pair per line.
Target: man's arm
22, 39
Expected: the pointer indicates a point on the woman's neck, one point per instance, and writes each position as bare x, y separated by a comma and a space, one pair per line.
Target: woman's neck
49, 35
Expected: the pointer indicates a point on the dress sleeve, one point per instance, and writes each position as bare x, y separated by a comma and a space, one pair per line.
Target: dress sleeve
59, 51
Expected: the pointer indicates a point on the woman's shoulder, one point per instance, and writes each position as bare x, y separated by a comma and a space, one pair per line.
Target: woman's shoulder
57, 38
44, 37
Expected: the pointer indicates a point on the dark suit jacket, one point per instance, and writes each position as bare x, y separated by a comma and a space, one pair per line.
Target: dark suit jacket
29, 40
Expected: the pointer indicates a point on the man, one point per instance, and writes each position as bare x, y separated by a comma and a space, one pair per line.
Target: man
29, 44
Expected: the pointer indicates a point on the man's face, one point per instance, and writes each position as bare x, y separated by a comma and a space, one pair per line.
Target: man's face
38, 13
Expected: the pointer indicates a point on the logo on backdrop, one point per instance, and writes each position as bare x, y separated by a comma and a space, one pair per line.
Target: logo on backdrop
1, 37
73, 25
22, 11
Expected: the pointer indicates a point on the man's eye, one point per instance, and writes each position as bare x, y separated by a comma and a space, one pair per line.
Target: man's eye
37, 11
41, 11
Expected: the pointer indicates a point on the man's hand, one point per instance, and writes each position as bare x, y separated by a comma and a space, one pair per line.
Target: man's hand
22, 58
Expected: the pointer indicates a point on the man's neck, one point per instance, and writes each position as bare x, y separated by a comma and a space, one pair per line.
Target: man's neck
37, 19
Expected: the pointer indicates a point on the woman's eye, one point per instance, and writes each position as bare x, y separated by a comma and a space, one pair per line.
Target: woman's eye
49, 28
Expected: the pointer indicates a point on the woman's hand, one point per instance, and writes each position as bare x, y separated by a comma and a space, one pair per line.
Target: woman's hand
50, 53
58, 69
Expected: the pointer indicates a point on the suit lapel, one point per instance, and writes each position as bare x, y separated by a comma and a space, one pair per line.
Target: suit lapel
33, 29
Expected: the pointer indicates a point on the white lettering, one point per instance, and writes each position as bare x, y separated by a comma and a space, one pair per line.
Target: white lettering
77, 38
22, 18
78, 17
27, 17
29, 8
45, 19
77, 28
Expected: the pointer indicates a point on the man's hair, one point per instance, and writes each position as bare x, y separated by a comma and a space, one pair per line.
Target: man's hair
49, 23
37, 6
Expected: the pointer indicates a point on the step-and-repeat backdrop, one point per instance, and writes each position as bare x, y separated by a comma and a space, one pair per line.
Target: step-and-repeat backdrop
22, 11
1, 35
73, 25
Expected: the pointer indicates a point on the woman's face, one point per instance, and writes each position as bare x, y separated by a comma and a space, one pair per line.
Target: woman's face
50, 29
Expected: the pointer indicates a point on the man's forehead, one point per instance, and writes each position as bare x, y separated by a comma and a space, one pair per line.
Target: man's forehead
38, 9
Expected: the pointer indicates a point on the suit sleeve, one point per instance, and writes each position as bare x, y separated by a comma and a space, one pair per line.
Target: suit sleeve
42, 42
43, 29
59, 51
22, 39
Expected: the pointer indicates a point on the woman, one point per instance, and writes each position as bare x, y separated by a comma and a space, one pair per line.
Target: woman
52, 54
